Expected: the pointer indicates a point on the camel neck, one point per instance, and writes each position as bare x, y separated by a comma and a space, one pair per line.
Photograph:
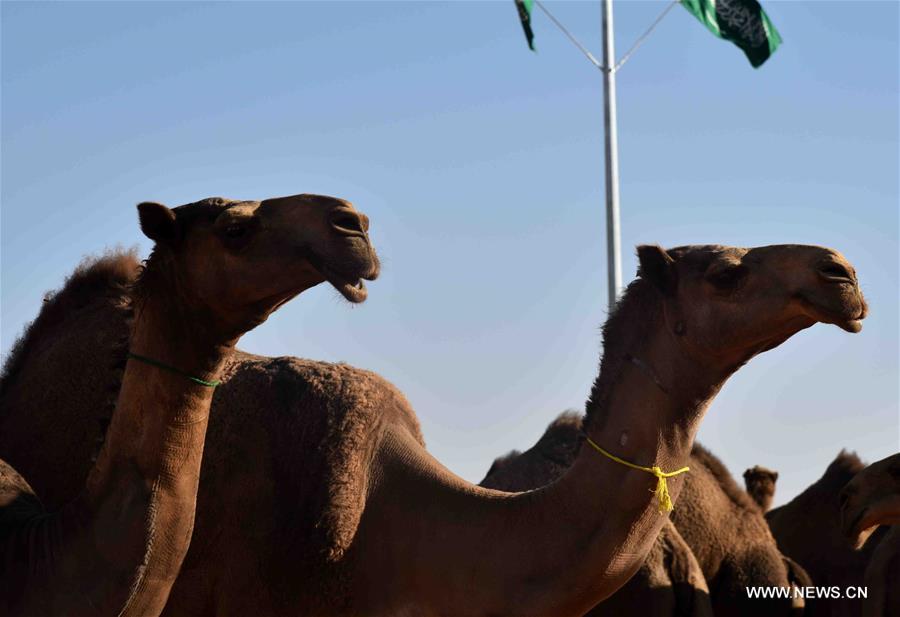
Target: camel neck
567, 546
651, 411
651, 415
149, 467
178, 334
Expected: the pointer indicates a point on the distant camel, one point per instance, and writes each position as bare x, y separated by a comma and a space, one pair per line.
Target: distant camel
669, 582
871, 498
760, 483
732, 542
318, 496
217, 270
723, 527
808, 530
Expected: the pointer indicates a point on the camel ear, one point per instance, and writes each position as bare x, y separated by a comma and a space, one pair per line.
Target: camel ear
157, 222
656, 266
747, 474
774, 476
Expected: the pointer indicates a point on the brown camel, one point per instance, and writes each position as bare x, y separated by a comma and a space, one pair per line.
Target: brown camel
326, 502
882, 578
871, 498
760, 483
669, 582
808, 530
732, 542
217, 270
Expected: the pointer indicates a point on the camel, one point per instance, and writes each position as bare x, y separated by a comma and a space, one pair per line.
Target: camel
808, 530
542, 463
870, 499
882, 576
760, 483
731, 540
669, 582
320, 498
720, 527
217, 270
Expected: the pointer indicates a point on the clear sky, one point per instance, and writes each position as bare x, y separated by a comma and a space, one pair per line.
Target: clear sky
480, 164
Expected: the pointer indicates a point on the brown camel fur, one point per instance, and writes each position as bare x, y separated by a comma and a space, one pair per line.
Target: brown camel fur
882, 578
327, 503
760, 483
217, 270
808, 530
871, 498
724, 527
669, 582
731, 540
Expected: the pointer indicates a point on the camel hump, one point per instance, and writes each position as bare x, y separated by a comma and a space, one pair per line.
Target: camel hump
357, 404
103, 277
543, 462
845, 464
297, 387
565, 428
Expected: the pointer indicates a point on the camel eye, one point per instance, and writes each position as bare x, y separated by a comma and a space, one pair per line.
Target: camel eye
235, 231
728, 278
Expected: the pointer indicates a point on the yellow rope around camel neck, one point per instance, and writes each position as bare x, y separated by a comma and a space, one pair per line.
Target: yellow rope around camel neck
662, 490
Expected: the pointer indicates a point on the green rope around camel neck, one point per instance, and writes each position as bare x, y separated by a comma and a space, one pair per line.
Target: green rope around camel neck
172, 369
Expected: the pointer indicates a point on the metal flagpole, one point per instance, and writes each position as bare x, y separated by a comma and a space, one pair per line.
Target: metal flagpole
613, 248
609, 67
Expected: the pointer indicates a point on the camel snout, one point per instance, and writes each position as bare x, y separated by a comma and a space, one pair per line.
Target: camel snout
832, 291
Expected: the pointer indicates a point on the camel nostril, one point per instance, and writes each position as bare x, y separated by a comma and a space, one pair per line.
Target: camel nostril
832, 271
350, 223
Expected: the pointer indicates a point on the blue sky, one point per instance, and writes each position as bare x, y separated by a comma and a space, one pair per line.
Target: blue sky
480, 165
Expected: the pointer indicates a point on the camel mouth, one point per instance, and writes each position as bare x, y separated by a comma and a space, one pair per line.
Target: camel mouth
849, 321
883, 512
350, 286
853, 326
860, 529
348, 281
354, 292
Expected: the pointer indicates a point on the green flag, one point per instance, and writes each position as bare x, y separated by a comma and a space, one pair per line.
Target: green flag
524, 8
743, 22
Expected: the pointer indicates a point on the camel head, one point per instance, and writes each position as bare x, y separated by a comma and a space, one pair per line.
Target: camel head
870, 499
728, 304
240, 260
760, 483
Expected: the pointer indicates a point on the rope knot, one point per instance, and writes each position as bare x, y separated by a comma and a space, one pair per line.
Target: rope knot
662, 489
662, 495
